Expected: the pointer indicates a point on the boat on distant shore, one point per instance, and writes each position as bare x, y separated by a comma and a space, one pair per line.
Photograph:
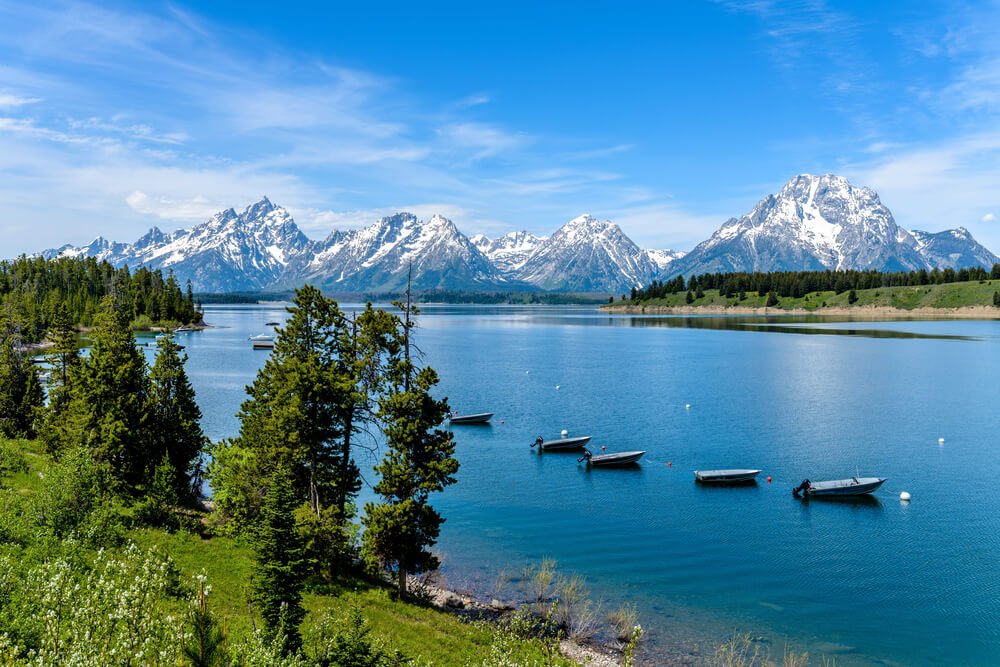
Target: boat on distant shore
612, 459
732, 476
183, 329
853, 486
478, 418
563, 444
272, 324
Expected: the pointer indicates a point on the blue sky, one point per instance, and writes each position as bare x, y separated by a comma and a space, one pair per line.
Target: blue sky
668, 118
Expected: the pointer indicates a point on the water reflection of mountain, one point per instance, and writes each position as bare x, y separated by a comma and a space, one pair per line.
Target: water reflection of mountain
801, 325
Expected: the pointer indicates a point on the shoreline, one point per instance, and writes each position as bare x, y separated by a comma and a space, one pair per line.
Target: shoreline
468, 605
867, 313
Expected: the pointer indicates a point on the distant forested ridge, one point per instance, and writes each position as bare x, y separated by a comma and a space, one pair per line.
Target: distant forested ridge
33, 288
796, 284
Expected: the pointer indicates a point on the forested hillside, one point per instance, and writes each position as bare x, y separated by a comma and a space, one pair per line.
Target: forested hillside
33, 289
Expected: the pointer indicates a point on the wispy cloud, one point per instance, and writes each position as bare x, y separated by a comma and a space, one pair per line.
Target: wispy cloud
8, 100
482, 139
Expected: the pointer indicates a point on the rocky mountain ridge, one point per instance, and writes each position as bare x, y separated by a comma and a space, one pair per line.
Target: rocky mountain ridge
813, 223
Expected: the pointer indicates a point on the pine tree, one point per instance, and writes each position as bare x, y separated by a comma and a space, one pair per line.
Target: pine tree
689, 297
174, 416
420, 461
20, 391
312, 395
204, 646
852, 297
996, 297
107, 406
279, 567
772, 299
64, 360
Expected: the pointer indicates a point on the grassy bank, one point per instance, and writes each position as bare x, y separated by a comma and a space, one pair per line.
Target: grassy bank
425, 634
973, 294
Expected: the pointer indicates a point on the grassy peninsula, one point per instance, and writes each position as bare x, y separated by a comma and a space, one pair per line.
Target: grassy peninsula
853, 294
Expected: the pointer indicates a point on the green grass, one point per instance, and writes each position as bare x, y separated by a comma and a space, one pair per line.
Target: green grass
431, 636
951, 295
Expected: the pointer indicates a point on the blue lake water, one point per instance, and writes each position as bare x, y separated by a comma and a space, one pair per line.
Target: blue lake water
862, 583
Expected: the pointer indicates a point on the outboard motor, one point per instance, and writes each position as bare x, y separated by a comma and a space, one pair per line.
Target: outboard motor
803, 487
538, 441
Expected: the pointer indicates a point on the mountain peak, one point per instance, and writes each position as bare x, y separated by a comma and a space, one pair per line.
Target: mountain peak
585, 219
259, 209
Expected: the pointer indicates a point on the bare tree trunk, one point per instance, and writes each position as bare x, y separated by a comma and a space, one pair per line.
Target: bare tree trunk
406, 330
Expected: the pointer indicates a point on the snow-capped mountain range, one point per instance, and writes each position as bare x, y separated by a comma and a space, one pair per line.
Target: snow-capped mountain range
824, 222
815, 222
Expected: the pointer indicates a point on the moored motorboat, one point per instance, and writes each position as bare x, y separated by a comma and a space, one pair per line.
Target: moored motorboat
853, 486
262, 337
563, 444
263, 345
613, 459
478, 418
731, 476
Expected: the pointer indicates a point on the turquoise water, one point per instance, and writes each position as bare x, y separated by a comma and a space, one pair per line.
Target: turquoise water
862, 583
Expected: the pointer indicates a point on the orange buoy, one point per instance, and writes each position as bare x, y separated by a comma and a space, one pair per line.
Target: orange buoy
603, 448
768, 479
670, 464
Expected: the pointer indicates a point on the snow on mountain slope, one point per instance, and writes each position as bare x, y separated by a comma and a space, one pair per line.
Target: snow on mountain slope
587, 255
814, 223
664, 257
953, 248
510, 251
377, 258
230, 252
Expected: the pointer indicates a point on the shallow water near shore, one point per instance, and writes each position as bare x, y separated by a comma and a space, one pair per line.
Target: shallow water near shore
876, 582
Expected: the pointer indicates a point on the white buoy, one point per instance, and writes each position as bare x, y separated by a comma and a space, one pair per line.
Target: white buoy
940, 441
557, 387
905, 496
564, 433
687, 406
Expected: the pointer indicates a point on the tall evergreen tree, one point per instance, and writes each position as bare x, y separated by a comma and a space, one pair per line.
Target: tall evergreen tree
174, 416
279, 568
420, 460
64, 359
20, 391
108, 400
303, 407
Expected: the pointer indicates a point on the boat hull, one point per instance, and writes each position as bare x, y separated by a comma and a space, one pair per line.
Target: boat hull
564, 444
734, 476
481, 418
616, 459
841, 488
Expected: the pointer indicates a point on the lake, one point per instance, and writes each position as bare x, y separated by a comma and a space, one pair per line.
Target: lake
882, 582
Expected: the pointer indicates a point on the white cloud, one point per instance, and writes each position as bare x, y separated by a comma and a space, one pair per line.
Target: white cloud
196, 209
7, 100
484, 140
989, 217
